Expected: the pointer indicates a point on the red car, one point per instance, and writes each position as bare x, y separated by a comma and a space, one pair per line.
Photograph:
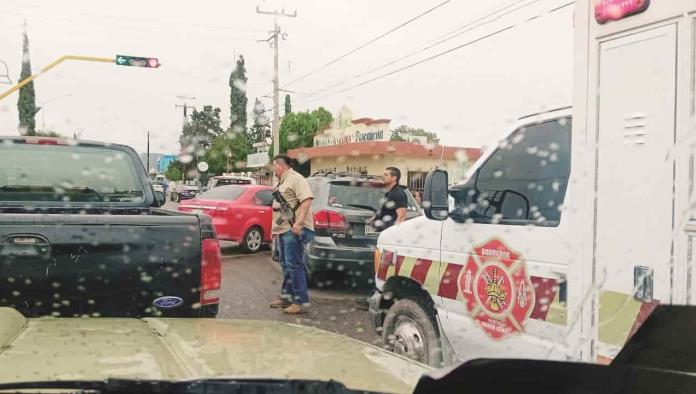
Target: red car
240, 213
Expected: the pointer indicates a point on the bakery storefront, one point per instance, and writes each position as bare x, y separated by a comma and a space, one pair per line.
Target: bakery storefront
365, 148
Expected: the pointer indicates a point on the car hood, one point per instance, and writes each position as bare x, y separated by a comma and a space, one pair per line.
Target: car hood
182, 349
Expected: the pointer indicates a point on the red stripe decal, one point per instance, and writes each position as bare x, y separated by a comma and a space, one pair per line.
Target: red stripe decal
399, 261
449, 285
545, 290
384, 263
645, 310
420, 270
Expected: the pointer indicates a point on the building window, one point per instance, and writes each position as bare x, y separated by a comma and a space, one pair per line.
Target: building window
416, 180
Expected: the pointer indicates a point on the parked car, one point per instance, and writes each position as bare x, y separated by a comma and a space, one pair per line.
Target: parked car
81, 220
184, 192
344, 240
223, 180
240, 213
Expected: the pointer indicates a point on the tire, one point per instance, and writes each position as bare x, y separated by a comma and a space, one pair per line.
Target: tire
410, 329
175, 197
253, 240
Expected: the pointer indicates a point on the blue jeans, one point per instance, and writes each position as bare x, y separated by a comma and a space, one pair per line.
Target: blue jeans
291, 250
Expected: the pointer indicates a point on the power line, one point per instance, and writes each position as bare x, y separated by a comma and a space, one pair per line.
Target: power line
366, 44
433, 44
466, 44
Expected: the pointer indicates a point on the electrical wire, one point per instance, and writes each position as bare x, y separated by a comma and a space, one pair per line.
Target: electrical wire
403, 24
458, 47
439, 40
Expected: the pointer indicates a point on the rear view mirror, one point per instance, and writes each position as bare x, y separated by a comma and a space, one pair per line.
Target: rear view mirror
160, 197
435, 195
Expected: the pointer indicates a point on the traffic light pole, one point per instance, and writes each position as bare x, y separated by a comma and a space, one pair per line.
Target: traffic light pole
120, 60
52, 65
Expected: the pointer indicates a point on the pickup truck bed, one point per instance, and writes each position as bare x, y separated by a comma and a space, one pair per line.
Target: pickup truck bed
101, 265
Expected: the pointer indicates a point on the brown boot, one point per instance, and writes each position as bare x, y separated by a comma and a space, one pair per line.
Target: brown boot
295, 309
280, 303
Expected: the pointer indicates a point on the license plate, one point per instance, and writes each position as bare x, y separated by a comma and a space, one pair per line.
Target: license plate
369, 230
197, 211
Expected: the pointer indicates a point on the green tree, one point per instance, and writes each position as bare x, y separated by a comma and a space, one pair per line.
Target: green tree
261, 128
298, 129
175, 171
48, 133
238, 98
227, 153
197, 135
402, 133
26, 105
288, 105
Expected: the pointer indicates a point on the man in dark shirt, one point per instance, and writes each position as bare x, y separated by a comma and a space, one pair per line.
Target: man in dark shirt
393, 209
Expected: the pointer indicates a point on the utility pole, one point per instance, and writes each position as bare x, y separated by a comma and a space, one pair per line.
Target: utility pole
148, 154
185, 105
275, 127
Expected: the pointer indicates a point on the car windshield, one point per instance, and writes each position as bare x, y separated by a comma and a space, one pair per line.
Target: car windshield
343, 191
227, 193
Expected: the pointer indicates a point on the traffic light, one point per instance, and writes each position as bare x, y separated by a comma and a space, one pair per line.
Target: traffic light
135, 61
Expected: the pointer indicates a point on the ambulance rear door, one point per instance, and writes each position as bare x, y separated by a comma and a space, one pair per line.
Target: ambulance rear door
635, 82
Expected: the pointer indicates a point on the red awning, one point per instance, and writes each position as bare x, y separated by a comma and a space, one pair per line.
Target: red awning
387, 148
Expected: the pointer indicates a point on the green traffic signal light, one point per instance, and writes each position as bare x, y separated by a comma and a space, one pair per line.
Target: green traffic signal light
136, 61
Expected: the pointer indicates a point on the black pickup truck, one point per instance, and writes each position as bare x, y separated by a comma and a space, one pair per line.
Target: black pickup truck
82, 234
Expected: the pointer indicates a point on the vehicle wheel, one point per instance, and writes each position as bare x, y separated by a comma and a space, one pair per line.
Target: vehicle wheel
410, 329
175, 197
252, 241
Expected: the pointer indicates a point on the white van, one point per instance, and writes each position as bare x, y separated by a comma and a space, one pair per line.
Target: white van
567, 234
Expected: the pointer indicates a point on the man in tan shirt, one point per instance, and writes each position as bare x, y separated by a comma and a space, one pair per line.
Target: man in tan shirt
294, 230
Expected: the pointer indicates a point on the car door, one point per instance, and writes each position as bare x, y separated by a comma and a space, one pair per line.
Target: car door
503, 249
264, 212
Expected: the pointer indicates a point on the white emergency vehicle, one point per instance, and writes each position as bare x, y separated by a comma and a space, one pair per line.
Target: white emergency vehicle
567, 234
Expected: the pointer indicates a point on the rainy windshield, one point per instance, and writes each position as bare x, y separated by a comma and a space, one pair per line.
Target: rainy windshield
349, 191
67, 173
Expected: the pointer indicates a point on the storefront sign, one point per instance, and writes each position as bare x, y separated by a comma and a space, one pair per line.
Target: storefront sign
353, 133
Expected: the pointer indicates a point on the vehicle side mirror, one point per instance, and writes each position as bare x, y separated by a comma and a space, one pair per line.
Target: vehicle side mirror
435, 195
160, 197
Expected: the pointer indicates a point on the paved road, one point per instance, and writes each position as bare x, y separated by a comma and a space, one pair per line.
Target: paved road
250, 282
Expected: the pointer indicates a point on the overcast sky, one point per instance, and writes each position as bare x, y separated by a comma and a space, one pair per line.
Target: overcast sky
468, 96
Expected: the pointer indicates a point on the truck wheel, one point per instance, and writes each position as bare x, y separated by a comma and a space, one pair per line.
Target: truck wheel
252, 241
410, 329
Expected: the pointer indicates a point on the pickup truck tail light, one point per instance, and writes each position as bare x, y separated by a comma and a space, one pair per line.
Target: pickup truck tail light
331, 220
211, 271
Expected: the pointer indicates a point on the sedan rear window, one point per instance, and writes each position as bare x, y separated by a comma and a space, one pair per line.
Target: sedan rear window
360, 196
226, 193
67, 174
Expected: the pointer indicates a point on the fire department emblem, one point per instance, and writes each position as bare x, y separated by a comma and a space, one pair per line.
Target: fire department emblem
497, 291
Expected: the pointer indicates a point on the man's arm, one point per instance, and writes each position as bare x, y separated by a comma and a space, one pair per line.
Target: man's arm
401, 202
305, 196
400, 215
302, 211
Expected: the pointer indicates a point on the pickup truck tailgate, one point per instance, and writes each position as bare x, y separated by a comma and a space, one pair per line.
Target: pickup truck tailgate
100, 265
